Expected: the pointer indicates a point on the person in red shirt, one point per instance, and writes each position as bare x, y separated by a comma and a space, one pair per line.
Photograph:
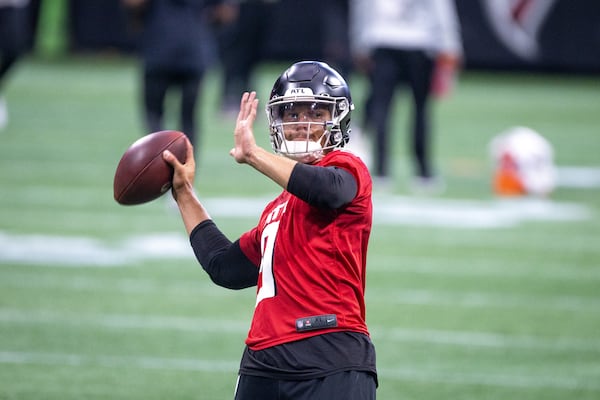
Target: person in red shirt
307, 255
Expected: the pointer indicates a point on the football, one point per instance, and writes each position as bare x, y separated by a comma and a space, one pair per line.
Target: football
142, 175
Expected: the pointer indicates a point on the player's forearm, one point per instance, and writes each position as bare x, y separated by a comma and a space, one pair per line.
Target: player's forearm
191, 210
275, 167
223, 261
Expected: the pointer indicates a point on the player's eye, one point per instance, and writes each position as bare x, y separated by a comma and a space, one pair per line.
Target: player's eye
291, 115
317, 115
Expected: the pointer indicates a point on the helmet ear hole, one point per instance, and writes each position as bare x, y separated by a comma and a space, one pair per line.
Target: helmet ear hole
337, 137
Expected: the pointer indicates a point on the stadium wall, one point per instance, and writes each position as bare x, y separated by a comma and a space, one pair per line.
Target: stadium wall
550, 35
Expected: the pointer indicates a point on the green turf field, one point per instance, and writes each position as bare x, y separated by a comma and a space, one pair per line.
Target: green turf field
469, 296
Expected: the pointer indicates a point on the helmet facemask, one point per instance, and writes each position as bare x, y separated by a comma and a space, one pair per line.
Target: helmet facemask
306, 138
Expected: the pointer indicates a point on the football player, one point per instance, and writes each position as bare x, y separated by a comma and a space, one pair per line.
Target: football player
307, 256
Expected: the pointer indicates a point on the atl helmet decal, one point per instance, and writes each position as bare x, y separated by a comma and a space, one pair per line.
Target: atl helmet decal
299, 92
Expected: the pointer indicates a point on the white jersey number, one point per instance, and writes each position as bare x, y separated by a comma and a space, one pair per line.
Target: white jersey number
267, 287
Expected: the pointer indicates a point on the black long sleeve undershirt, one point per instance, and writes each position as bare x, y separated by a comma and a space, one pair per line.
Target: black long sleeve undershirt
324, 187
224, 261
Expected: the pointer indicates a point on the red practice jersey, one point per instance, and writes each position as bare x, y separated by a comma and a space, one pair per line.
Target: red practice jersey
312, 262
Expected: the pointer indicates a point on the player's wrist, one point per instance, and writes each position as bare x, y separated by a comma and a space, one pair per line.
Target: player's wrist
184, 192
254, 156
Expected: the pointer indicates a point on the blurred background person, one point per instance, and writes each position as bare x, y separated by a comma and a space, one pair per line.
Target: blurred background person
244, 26
250, 29
334, 32
177, 47
414, 42
14, 36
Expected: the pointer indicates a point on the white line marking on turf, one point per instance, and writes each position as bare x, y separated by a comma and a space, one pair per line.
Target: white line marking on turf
412, 373
77, 251
410, 296
516, 380
485, 339
485, 300
479, 267
240, 327
78, 360
404, 210
578, 177
17, 279
131, 321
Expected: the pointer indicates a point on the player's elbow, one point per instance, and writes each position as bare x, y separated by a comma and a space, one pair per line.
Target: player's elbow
229, 283
330, 202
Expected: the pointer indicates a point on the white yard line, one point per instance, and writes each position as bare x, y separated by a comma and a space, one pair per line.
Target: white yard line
485, 339
458, 214
472, 214
78, 251
403, 296
129, 321
79, 360
404, 373
426, 264
500, 379
578, 177
489, 299
240, 327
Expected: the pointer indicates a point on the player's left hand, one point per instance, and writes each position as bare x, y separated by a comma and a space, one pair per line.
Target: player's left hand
244, 142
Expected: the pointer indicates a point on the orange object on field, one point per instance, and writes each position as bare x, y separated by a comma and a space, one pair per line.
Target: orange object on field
506, 180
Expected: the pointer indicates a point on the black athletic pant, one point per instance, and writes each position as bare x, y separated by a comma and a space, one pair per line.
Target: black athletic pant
156, 85
240, 46
14, 31
392, 67
6, 62
348, 385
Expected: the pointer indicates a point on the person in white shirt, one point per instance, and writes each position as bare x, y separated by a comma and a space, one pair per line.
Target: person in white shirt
416, 42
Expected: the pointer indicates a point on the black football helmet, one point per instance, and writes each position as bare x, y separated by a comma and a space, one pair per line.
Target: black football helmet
318, 85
